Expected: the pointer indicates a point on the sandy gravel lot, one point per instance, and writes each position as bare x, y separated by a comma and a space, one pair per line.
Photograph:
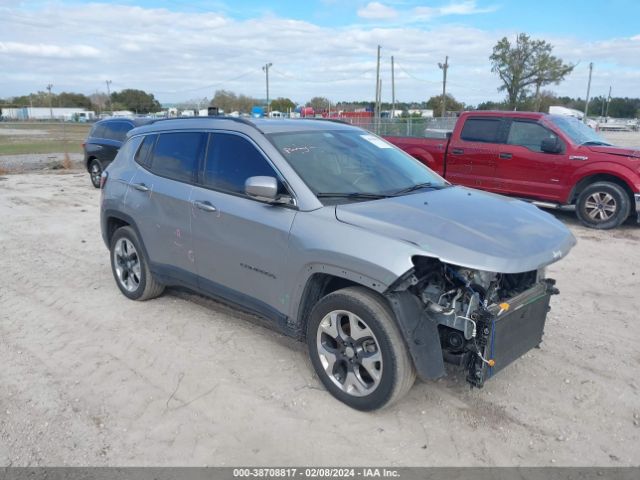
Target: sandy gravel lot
88, 377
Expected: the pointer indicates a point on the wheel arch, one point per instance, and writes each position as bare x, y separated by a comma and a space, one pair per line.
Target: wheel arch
589, 179
89, 160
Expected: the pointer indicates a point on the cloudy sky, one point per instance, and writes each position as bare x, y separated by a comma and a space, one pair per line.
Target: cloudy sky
180, 50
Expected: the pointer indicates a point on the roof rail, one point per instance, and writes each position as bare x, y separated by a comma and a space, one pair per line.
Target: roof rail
334, 120
215, 117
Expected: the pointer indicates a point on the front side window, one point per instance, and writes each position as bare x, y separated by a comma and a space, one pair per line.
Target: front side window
231, 159
529, 135
352, 163
176, 155
486, 130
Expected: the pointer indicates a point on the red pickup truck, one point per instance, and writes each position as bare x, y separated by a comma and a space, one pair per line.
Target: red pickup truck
554, 161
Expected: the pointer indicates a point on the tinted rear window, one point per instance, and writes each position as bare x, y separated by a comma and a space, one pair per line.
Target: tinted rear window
142, 155
481, 130
176, 155
117, 130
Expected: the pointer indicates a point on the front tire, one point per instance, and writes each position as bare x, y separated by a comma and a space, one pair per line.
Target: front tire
95, 171
603, 205
357, 350
130, 267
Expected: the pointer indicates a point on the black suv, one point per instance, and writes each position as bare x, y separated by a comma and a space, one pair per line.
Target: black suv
104, 140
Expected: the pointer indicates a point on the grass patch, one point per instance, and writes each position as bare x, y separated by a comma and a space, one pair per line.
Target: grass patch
39, 138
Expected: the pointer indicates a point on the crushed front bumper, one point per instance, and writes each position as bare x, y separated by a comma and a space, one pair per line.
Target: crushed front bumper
509, 330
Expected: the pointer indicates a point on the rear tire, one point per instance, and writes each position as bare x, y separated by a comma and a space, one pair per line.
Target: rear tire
603, 205
130, 267
95, 171
357, 350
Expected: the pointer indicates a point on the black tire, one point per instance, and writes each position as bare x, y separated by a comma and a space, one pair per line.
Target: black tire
136, 283
603, 205
95, 171
368, 309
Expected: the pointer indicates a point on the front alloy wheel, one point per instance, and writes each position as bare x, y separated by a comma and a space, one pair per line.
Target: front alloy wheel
349, 353
603, 205
357, 350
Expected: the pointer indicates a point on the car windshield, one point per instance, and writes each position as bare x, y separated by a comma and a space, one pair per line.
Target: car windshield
344, 165
578, 132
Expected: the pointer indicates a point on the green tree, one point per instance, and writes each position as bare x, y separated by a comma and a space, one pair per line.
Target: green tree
282, 104
527, 62
69, 99
435, 104
319, 103
137, 101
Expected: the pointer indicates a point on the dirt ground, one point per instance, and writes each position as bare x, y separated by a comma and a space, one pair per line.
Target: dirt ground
88, 377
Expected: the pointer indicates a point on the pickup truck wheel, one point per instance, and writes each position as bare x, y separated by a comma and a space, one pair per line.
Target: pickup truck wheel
357, 350
95, 171
603, 205
130, 267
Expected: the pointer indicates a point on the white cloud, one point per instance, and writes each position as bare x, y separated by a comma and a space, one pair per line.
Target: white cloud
48, 50
468, 7
377, 11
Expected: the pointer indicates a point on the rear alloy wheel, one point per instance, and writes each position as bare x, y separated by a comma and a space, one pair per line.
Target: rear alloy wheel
603, 205
357, 350
95, 171
130, 268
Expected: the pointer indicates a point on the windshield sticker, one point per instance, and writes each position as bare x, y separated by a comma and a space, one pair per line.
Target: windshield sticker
290, 150
376, 141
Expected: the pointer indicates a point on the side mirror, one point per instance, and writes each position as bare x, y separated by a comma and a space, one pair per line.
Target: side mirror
264, 189
551, 145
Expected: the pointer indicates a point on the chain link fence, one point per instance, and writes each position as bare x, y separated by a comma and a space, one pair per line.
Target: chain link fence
437, 127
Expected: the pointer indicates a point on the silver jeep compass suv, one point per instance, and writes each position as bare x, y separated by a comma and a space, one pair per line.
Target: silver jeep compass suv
340, 239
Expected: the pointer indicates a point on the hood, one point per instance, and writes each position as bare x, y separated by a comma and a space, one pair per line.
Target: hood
611, 150
467, 227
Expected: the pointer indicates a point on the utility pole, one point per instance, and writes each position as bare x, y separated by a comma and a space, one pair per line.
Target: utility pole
586, 105
49, 87
444, 68
108, 82
376, 108
606, 113
393, 89
265, 69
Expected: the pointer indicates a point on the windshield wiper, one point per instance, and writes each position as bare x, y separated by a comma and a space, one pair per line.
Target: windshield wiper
418, 186
372, 196
592, 142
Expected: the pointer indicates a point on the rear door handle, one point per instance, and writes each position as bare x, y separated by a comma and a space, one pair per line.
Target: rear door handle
457, 151
206, 206
505, 156
141, 186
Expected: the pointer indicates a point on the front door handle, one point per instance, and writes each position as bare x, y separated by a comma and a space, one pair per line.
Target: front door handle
141, 186
206, 206
457, 151
505, 156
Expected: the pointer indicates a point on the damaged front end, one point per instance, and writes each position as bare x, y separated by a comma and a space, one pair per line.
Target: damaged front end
480, 321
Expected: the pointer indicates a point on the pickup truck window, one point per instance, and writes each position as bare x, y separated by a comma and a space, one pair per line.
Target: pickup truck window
529, 135
485, 130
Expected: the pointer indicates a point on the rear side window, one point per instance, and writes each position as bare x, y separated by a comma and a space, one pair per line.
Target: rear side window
98, 131
529, 135
177, 155
117, 130
485, 130
142, 155
232, 159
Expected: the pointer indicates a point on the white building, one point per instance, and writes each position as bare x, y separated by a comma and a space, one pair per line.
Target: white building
46, 113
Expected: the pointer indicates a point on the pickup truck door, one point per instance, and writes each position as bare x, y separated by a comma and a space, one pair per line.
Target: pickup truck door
523, 169
471, 156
